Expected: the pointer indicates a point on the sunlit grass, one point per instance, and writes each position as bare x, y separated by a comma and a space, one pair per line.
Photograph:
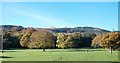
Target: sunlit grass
60, 55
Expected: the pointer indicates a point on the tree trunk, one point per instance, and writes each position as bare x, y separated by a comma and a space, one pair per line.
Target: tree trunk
30, 48
43, 49
110, 50
2, 51
86, 50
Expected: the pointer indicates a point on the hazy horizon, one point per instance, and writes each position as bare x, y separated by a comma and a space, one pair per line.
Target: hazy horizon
102, 15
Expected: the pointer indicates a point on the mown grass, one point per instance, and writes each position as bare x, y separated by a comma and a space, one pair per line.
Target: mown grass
59, 55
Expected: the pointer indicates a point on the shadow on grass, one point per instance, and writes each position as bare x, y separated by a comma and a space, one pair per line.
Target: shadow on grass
97, 50
59, 62
5, 57
9, 51
78, 50
73, 50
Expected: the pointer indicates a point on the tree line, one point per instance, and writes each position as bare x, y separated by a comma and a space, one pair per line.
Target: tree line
32, 38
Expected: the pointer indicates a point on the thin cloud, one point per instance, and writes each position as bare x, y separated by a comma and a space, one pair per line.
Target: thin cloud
43, 18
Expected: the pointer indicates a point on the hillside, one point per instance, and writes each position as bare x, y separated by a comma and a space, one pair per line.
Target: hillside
80, 29
59, 30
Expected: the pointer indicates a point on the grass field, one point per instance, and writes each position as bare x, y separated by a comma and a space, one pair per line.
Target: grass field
59, 55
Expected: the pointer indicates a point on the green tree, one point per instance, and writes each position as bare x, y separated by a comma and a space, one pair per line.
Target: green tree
87, 39
10, 40
6, 39
77, 38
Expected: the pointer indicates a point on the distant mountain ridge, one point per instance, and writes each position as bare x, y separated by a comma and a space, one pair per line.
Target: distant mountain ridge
61, 30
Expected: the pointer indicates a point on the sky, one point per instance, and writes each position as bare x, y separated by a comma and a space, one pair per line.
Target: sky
61, 14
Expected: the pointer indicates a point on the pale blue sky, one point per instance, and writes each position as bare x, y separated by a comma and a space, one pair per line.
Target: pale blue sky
61, 14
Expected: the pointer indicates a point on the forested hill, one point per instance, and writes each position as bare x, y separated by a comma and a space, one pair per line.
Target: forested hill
59, 30
12, 27
80, 29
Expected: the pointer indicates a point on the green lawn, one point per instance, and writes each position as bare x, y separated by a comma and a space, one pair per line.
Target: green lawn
59, 55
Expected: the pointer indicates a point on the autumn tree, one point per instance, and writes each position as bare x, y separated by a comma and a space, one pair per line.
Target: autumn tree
41, 39
110, 40
24, 41
71, 40
96, 41
37, 39
61, 41
107, 40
